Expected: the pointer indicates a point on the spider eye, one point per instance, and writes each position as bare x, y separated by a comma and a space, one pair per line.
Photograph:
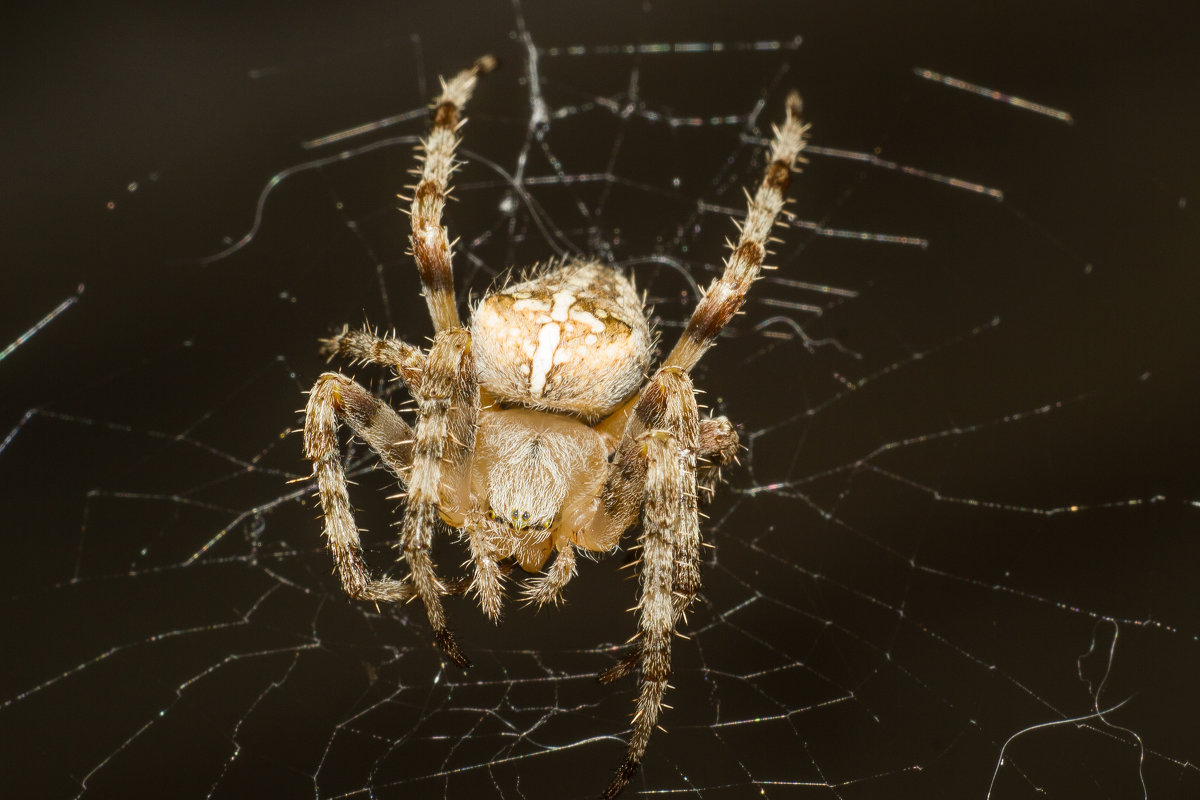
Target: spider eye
546, 525
492, 514
525, 517
515, 514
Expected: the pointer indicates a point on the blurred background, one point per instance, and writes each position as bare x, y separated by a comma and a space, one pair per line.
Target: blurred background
957, 559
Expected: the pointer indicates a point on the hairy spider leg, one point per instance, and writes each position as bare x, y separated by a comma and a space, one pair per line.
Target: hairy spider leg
447, 416
430, 242
337, 397
367, 347
724, 297
717, 446
662, 435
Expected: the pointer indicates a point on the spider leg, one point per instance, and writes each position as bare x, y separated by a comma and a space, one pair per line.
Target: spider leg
724, 297
335, 396
448, 408
548, 587
430, 242
717, 446
368, 347
654, 470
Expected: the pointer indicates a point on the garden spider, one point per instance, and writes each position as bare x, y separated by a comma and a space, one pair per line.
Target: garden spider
536, 430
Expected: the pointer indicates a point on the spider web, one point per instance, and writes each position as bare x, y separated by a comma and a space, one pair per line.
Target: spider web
957, 559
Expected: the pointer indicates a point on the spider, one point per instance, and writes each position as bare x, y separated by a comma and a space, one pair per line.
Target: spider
537, 432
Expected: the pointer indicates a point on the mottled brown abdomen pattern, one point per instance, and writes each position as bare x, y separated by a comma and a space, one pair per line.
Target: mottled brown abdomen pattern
573, 339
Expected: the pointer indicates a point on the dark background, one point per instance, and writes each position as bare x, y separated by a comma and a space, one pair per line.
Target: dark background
983, 523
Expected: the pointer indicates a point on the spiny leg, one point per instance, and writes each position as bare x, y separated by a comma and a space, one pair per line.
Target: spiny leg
336, 396
663, 485
725, 296
670, 532
430, 242
717, 446
665, 427
368, 347
448, 409
685, 584
548, 587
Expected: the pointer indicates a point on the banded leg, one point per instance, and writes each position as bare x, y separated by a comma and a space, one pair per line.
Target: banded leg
717, 446
336, 396
725, 296
430, 242
448, 409
685, 585
670, 545
367, 347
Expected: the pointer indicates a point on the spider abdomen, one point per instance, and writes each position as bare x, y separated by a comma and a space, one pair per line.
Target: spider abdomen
574, 339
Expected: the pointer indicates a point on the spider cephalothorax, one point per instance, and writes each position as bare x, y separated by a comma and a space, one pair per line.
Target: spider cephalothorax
537, 433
